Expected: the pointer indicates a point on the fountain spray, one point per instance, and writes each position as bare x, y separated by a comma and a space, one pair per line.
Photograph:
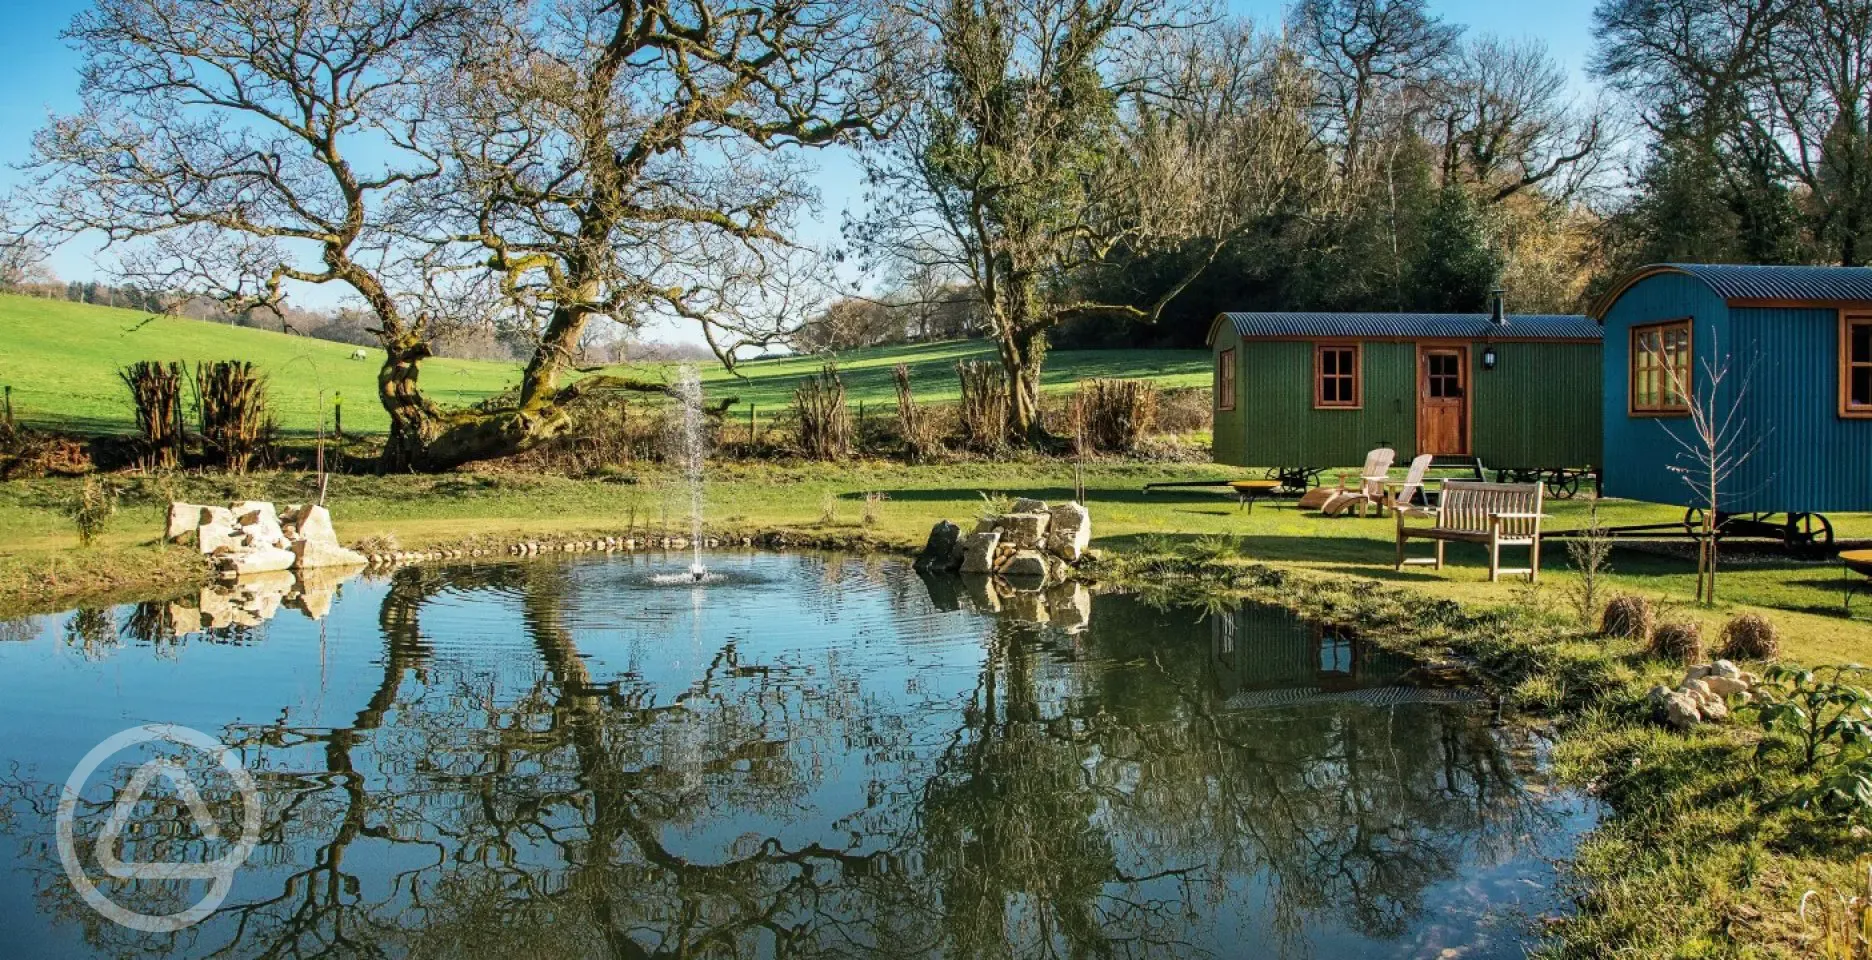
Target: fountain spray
689, 392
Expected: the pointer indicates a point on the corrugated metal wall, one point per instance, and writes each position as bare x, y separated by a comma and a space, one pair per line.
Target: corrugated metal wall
1539, 407
1279, 428
1809, 459
1226, 444
1640, 451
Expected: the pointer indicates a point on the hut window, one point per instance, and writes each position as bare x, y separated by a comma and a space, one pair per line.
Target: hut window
1660, 367
1225, 380
1336, 376
1855, 366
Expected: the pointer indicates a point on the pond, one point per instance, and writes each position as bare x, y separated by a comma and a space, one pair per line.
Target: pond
811, 755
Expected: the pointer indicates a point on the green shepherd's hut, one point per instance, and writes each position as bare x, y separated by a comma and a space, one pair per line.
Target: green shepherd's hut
1304, 392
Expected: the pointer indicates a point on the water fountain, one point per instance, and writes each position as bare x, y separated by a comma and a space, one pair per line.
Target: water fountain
692, 439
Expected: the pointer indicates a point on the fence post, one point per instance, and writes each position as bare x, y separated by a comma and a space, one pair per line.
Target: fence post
858, 434
750, 429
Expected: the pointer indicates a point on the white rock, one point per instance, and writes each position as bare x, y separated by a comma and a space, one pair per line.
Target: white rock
1715, 709
1696, 688
314, 523
1026, 531
1029, 505
1697, 672
1070, 532
1726, 670
978, 552
1027, 567
184, 519
1681, 711
255, 511
213, 536
310, 554
1724, 686
256, 560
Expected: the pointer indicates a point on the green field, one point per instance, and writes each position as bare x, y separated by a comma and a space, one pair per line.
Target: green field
61, 359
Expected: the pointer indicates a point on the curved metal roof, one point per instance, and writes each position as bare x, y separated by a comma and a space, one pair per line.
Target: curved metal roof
1755, 282
1412, 326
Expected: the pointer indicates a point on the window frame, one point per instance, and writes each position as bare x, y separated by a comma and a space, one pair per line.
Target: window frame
1638, 331
1357, 376
1847, 409
1225, 380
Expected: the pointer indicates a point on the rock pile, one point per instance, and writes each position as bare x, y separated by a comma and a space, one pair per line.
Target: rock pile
252, 601
1032, 543
252, 537
1705, 695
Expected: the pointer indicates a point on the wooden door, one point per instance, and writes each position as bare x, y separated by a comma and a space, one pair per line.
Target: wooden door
1443, 400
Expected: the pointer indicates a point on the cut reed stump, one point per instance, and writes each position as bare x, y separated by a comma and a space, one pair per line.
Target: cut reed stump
234, 422
156, 392
824, 424
982, 414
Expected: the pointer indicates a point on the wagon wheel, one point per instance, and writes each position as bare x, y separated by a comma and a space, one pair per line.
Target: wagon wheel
1809, 534
1563, 485
1693, 522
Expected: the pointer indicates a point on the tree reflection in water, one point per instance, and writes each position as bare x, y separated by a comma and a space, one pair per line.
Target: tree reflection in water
1020, 791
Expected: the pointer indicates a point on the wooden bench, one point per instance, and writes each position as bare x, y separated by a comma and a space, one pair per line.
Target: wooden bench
1495, 515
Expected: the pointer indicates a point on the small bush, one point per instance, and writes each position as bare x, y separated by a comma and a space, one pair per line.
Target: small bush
871, 501
982, 413
828, 508
825, 428
1628, 618
1680, 641
1114, 415
92, 510
1750, 636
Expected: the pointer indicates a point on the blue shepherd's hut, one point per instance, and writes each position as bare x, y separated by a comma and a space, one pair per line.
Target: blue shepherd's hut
1797, 344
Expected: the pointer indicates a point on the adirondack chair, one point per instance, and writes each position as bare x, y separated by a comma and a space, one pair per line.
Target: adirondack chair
1413, 482
1370, 490
1496, 515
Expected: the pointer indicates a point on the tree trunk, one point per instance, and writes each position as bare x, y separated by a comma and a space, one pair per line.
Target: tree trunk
1022, 356
539, 385
414, 421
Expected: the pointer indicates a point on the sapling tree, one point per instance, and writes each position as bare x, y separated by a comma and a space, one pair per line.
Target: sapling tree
1714, 438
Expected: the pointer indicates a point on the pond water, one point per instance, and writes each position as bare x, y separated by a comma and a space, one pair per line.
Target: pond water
813, 755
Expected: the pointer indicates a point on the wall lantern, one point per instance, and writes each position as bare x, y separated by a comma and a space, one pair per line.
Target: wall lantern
1488, 357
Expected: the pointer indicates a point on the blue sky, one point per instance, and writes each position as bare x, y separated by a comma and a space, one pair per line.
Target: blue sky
41, 76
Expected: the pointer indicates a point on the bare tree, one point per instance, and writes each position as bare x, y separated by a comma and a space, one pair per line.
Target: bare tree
621, 161
220, 139
1714, 443
1038, 156
1374, 58
1507, 124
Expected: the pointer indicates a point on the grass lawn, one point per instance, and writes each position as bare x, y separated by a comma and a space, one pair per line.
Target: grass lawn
61, 359
748, 497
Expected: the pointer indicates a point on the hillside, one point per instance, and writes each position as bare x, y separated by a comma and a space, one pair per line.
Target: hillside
61, 359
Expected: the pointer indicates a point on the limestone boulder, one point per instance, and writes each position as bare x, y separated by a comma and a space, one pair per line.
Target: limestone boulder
310, 554
214, 537
255, 511
943, 549
1029, 505
1069, 532
978, 552
220, 515
184, 520
259, 559
314, 523
1724, 686
1027, 568
1682, 711
1025, 531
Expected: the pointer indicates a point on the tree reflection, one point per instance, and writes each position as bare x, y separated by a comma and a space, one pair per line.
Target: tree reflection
1095, 796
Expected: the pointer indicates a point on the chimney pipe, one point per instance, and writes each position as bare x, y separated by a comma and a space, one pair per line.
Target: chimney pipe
1497, 312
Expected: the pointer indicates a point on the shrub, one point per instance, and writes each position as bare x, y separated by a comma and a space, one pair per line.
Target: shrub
234, 421
825, 429
92, 509
982, 414
156, 391
1628, 618
1678, 640
1750, 636
1114, 415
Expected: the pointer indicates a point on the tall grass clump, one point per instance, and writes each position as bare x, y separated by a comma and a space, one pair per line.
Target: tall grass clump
1117, 414
918, 439
982, 414
1629, 618
824, 424
1679, 641
156, 393
234, 422
1750, 636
